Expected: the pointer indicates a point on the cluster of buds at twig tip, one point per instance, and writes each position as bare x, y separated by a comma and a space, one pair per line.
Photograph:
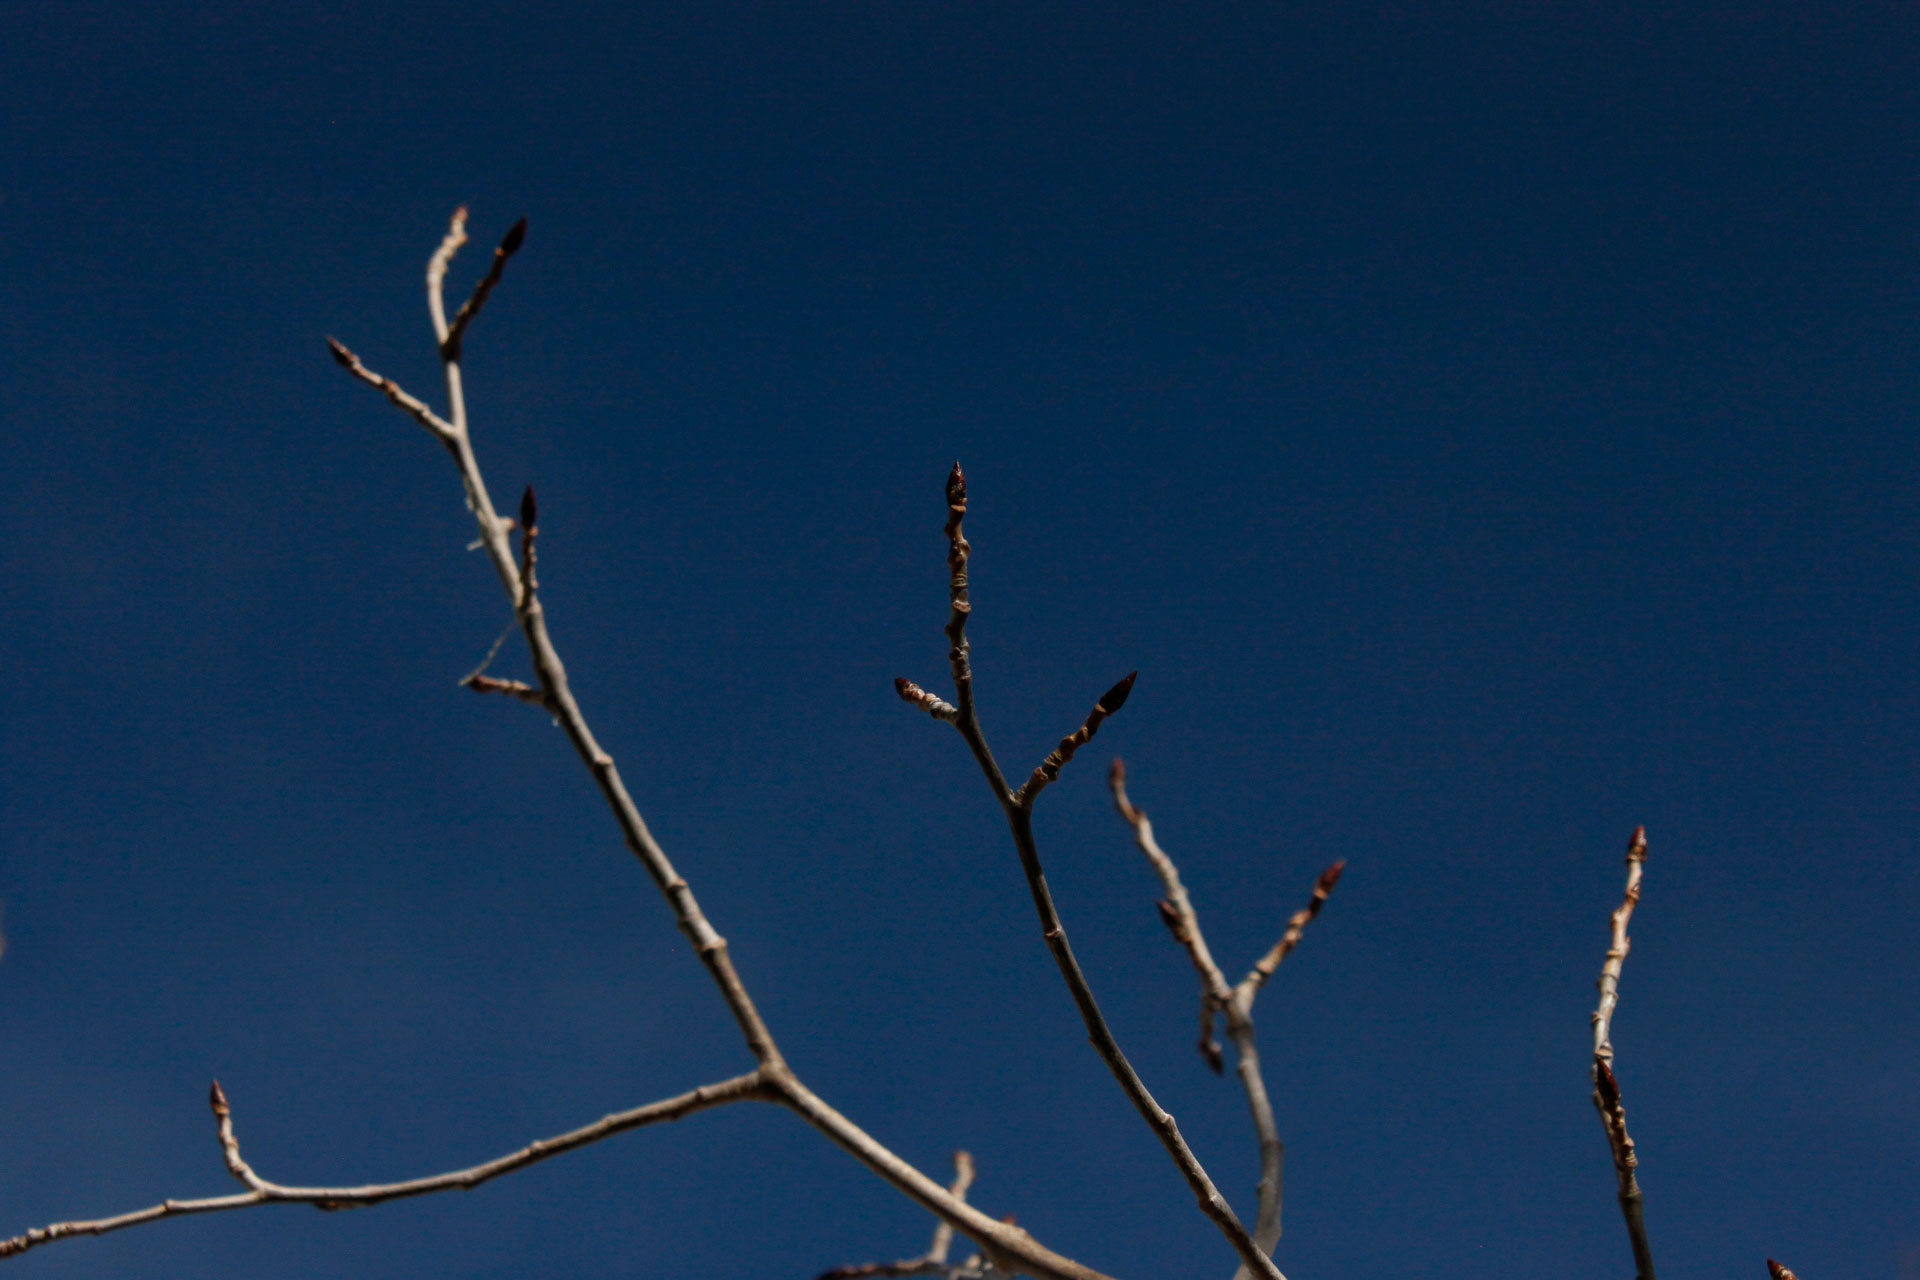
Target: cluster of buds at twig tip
1779, 1272
217, 1099
938, 708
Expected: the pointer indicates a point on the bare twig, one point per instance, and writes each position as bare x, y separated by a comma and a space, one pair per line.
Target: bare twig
512, 688
1234, 1004
1049, 769
934, 1260
938, 708
509, 245
260, 1191
1263, 968
391, 389
1606, 1089
1018, 808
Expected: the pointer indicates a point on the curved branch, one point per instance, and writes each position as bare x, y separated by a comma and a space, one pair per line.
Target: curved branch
260, 1191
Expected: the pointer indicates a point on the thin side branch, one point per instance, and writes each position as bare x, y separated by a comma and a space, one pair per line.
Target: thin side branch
1606, 1089
1296, 926
938, 708
509, 245
260, 1191
411, 405
934, 1260
1049, 769
512, 688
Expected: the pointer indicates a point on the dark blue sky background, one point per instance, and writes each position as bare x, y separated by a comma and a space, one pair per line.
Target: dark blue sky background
1484, 431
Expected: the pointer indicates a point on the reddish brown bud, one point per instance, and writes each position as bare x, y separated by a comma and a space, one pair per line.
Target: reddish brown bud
1637, 847
529, 511
1779, 1272
217, 1099
515, 237
1170, 917
1115, 698
1331, 876
341, 355
956, 487
1210, 1050
907, 689
1117, 771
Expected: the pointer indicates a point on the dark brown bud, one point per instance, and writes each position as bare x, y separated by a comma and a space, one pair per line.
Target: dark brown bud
1331, 876
907, 689
1779, 1272
343, 356
1637, 847
1170, 917
956, 487
1211, 1052
515, 237
217, 1099
1115, 698
529, 512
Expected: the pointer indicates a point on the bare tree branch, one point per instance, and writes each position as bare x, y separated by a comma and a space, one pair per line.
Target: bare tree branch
1606, 1089
1018, 808
260, 1191
1234, 1004
934, 1260
1005, 1246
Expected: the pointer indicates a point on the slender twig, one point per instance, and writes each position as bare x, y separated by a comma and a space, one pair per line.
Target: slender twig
1233, 1004
509, 245
1018, 808
938, 708
1606, 1089
260, 1191
934, 1260
512, 688
1263, 967
392, 390
1049, 769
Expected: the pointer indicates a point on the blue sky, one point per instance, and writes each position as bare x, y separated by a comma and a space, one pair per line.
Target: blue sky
1483, 430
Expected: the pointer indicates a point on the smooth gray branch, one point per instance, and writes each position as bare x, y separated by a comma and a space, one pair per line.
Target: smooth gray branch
1606, 1089
1018, 808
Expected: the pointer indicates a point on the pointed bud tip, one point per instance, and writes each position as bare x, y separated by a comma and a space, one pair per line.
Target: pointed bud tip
956, 486
1331, 876
529, 509
515, 237
217, 1098
1115, 698
340, 353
